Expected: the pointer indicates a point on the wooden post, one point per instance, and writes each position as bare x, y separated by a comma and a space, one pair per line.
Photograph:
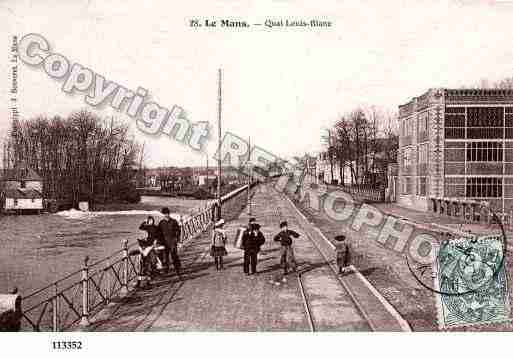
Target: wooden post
84, 321
249, 177
124, 277
182, 232
219, 93
55, 309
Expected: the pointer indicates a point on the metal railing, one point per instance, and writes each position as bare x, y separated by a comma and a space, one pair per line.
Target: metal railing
73, 299
364, 193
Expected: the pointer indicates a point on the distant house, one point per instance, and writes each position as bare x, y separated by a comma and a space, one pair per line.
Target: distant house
20, 189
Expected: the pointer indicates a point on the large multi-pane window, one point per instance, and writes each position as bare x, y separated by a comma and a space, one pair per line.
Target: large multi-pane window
484, 151
455, 122
483, 187
480, 122
508, 124
485, 122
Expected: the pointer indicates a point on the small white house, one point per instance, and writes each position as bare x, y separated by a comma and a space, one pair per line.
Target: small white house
206, 180
21, 189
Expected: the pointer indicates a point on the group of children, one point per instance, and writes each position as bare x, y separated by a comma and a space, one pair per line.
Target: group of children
252, 240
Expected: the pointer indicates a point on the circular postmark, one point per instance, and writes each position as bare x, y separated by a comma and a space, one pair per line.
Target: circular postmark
464, 266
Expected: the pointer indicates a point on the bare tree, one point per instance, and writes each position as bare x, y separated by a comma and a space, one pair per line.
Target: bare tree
81, 157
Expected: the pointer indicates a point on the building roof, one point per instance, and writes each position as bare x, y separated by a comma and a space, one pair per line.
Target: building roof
456, 96
21, 173
22, 193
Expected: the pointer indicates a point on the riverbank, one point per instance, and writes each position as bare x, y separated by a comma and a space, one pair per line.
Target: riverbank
106, 207
38, 249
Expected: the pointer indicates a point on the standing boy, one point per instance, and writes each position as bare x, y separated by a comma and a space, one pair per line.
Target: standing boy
287, 253
343, 253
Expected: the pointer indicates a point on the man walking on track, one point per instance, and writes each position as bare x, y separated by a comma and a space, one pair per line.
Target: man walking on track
170, 233
287, 253
252, 240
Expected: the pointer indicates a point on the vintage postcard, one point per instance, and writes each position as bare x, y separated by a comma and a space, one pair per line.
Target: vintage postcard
243, 166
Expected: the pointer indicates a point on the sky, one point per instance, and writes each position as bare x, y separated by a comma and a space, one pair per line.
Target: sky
282, 86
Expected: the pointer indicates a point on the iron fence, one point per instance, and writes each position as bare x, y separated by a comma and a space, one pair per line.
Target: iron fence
73, 299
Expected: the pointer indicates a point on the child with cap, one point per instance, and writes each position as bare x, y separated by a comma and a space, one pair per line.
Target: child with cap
287, 253
343, 253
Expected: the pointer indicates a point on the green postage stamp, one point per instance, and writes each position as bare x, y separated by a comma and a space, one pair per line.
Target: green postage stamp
471, 280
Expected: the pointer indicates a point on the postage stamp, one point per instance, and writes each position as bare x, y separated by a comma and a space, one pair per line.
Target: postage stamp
472, 283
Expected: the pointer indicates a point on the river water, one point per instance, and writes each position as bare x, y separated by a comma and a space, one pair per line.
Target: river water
36, 250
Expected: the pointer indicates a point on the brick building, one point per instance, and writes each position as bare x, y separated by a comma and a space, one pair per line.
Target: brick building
457, 144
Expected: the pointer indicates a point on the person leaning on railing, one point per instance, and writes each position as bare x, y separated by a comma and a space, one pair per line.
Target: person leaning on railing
147, 245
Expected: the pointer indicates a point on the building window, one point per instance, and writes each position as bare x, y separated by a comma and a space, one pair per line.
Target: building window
484, 151
422, 186
406, 157
407, 127
422, 123
485, 122
454, 132
406, 185
484, 187
485, 117
423, 153
455, 122
485, 132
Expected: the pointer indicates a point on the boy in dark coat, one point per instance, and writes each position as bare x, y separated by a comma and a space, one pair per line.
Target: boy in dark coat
343, 253
170, 231
287, 253
252, 240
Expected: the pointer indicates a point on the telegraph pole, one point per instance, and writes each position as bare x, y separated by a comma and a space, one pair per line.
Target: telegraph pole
249, 176
219, 145
208, 184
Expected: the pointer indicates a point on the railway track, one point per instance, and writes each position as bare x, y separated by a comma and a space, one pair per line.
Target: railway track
305, 297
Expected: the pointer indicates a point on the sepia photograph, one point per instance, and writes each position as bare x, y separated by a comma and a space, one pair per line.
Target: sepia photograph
234, 172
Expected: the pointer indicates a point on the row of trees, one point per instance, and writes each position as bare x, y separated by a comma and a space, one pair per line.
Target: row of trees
364, 141
80, 157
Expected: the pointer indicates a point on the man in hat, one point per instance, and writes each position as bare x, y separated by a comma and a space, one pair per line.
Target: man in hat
170, 230
252, 240
287, 253
343, 253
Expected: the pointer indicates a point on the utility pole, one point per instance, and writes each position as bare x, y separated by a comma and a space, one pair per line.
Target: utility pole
307, 167
219, 145
249, 176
